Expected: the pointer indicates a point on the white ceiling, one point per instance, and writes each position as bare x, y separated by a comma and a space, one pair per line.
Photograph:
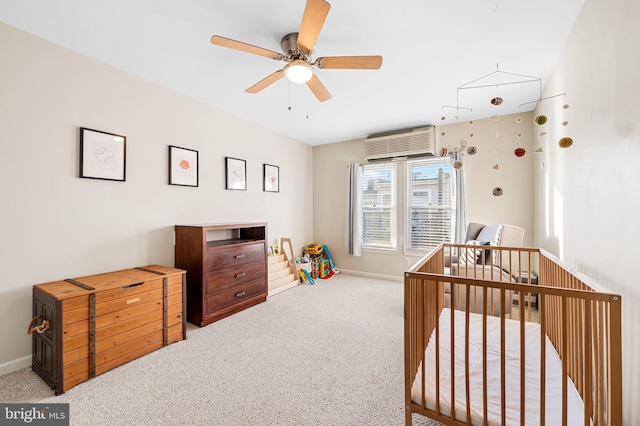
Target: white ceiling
430, 49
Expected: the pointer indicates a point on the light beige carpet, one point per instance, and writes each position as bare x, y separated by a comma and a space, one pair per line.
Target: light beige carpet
327, 354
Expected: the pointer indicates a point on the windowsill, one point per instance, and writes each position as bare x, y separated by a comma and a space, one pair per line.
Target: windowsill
416, 253
380, 250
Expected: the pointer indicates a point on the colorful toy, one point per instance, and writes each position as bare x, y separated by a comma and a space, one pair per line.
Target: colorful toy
326, 251
313, 249
306, 273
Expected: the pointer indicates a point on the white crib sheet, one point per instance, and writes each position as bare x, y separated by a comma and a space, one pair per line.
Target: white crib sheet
553, 401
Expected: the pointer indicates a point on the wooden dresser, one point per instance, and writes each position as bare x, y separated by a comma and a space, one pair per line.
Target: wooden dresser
226, 268
85, 326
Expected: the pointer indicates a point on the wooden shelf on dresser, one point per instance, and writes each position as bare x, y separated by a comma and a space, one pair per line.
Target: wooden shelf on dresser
226, 266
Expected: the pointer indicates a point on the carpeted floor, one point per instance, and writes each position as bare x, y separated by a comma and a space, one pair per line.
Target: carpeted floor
328, 354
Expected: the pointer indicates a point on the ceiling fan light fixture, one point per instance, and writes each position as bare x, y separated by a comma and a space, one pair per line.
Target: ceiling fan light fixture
298, 71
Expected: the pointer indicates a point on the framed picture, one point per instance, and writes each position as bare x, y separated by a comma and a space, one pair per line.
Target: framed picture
236, 172
183, 166
102, 155
271, 178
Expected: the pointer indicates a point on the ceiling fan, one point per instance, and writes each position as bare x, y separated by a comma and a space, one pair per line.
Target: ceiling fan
297, 49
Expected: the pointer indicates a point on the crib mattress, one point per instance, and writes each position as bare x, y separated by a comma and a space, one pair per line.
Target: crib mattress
553, 388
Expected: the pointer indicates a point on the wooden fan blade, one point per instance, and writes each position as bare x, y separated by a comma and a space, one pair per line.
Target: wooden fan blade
315, 12
318, 89
350, 62
244, 47
265, 82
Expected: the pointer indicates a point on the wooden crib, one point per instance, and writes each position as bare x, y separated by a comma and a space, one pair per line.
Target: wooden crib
501, 364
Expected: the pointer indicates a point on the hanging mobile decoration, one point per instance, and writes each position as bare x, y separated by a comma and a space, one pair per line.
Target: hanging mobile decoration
541, 120
565, 142
443, 151
497, 190
519, 152
478, 83
472, 150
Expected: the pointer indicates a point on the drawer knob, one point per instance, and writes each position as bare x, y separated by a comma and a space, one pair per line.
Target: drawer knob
239, 256
242, 293
240, 275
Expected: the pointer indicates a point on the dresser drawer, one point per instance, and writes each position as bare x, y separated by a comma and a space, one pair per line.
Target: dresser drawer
218, 281
229, 256
235, 293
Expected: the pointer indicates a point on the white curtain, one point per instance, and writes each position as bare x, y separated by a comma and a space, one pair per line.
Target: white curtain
354, 225
461, 219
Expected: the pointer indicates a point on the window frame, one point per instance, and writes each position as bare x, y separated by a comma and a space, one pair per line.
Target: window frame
392, 246
408, 185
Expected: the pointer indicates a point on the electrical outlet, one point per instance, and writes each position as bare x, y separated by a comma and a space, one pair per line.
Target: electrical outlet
407, 261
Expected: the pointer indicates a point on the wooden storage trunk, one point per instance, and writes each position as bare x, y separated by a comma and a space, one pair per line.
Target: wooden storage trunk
85, 326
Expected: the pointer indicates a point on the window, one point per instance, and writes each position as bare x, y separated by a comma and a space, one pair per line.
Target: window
428, 208
429, 203
378, 206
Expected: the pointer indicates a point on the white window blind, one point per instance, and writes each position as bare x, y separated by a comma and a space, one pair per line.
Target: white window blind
378, 206
430, 203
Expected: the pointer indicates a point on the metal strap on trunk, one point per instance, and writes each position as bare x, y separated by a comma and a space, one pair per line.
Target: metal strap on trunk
165, 311
79, 284
92, 335
142, 268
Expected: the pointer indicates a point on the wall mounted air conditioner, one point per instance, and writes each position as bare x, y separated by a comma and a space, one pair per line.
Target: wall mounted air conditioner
404, 143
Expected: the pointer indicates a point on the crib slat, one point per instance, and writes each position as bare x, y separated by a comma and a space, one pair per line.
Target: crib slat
580, 321
503, 372
615, 357
437, 372
529, 267
484, 360
466, 355
542, 303
601, 368
522, 364
453, 362
587, 364
565, 367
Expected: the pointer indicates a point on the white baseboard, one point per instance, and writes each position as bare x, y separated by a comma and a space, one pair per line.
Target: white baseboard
370, 275
15, 365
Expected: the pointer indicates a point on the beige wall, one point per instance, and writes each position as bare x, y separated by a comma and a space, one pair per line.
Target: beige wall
588, 196
54, 225
515, 176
